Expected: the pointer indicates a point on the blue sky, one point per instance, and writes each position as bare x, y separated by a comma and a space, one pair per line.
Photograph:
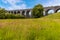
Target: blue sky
25, 4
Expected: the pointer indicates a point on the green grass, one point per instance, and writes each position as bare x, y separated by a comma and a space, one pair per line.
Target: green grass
45, 28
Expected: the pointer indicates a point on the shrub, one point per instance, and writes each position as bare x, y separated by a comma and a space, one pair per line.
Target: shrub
13, 16
9, 16
2, 10
19, 16
2, 16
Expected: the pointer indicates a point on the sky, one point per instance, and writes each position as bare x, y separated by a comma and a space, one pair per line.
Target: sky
26, 4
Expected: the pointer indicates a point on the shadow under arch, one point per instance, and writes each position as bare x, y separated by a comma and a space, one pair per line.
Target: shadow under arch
23, 12
18, 12
27, 13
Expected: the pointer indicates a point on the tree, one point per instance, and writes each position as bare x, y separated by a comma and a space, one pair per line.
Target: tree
2, 10
37, 11
2, 13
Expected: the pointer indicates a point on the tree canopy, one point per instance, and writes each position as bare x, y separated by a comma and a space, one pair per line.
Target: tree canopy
37, 11
2, 10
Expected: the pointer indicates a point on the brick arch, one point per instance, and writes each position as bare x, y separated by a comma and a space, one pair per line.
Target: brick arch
27, 13
18, 11
11, 11
23, 12
57, 10
48, 11
14, 12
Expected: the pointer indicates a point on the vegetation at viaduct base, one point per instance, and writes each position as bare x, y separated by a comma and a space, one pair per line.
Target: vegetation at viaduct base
5, 15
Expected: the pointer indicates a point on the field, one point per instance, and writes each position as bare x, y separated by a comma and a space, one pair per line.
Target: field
45, 28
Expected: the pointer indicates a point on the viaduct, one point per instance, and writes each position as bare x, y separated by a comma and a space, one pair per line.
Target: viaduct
27, 12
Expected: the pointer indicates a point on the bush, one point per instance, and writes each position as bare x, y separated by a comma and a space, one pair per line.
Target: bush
13, 16
10, 16
2, 16
2, 13
37, 11
2, 10
19, 16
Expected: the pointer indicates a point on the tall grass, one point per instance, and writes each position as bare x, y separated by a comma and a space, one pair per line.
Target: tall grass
46, 28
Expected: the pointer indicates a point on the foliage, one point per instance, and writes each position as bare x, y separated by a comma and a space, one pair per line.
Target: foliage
19, 16
2, 10
13, 16
37, 11
10, 16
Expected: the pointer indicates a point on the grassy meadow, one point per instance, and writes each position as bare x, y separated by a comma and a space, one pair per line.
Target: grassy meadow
45, 28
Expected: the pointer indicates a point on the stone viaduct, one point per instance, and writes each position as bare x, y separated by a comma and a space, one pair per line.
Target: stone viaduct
27, 12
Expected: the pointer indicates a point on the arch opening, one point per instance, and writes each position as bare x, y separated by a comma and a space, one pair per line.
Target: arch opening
23, 12
27, 13
58, 10
18, 12
8, 11
30, 13
50, 11
14, 12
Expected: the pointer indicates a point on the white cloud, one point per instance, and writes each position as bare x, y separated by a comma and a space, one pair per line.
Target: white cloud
22, 4
14, 7
13, 4
52, 3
